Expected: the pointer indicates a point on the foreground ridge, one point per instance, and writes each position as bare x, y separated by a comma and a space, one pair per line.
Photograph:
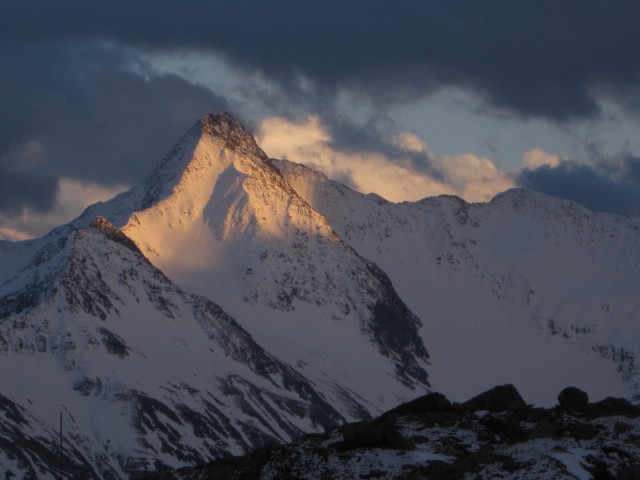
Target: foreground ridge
493, 435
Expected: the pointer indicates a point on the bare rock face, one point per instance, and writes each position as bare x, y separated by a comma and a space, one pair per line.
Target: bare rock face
572, 399
113, 233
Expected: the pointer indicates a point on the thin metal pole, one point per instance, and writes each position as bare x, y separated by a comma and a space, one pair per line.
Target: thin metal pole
60, 444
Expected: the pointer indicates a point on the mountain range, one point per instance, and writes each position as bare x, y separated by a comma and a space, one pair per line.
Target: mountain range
233, 301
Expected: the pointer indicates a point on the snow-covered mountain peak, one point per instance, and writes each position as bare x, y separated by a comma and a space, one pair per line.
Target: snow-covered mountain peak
214, 184
211, 146
219, 219
272, 240
236, 137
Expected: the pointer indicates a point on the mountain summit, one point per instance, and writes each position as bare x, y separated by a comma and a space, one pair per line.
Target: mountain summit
232, 301
220, 220
212, 144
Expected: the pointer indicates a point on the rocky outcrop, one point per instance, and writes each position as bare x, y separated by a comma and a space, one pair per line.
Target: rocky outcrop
493, 435
114, 234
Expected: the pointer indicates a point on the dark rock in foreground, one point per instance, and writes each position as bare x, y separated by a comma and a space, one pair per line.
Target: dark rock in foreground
498, 399
574, 400
493, 435
433, 402
611, 406
374, 434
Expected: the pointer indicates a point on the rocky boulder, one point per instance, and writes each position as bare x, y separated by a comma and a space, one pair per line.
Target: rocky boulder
573, 400
498, 399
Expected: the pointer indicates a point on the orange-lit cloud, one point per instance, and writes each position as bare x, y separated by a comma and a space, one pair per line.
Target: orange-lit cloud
537, 158
475, 179
471, 177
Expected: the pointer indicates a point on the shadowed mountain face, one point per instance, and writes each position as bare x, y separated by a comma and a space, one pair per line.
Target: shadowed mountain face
232, 301
525, 289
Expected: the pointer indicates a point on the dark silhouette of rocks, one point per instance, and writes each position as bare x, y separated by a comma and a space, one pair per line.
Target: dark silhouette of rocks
433, 402
611, 406
379, 433
498, 420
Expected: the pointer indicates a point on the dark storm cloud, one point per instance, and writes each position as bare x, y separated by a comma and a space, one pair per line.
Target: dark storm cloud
610, 186
64, 87
18, 191
542, 58
94, 119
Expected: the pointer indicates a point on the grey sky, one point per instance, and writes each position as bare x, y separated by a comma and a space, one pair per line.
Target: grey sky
81, 87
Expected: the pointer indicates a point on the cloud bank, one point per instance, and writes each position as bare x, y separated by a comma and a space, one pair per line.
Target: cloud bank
542, 59
395, 178
609, 185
